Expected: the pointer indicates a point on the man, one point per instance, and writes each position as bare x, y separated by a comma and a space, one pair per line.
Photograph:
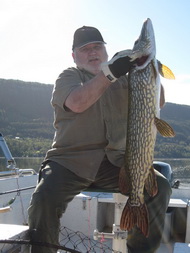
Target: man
90, 105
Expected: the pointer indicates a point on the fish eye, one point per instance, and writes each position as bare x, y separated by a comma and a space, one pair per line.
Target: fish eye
136, 41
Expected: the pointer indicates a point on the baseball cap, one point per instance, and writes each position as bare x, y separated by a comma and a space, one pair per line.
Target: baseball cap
86, 35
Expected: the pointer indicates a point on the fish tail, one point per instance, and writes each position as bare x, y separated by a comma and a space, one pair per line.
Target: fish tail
135, 215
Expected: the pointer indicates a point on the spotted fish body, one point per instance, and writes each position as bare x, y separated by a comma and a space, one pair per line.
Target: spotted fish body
143, 123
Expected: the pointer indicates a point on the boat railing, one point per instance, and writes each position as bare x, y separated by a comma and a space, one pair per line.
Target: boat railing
26, 172
12, 170
18, 172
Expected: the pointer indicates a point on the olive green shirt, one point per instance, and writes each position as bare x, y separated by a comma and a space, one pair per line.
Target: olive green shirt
83, 139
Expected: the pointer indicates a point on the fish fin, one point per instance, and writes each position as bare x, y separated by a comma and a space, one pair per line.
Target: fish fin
124, 182
165, 71
164, 128
135, 215
151, 183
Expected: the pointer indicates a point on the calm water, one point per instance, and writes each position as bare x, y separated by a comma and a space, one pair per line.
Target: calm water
23, 163
181, 167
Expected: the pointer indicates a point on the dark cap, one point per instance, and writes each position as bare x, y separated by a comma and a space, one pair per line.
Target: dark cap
86, 35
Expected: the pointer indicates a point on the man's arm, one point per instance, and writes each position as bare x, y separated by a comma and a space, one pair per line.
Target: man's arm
87, 94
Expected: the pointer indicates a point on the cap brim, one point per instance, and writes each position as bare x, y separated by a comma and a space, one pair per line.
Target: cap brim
91, 42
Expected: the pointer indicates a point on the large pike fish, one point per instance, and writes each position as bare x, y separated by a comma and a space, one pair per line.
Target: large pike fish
143, 123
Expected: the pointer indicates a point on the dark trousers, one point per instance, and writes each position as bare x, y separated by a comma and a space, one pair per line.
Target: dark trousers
58, 186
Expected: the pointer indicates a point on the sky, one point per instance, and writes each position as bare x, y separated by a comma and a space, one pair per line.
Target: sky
36, 36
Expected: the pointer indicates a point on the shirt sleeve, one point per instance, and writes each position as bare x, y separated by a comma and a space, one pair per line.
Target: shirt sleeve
67, 81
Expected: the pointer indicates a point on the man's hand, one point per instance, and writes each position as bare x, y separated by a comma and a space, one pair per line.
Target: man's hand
118, 66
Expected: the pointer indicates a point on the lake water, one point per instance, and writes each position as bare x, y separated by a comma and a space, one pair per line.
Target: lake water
23, 163
181, 167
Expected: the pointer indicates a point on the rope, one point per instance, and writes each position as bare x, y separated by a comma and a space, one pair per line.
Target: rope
89, 219
17, 190
21, 202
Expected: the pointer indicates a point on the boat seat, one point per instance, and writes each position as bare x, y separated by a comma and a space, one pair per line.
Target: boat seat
13, 232
94, 189
9, 231
181, 247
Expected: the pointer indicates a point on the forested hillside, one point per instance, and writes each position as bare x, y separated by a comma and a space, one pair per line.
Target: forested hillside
26, 121
178, 116
25, 109
26, 117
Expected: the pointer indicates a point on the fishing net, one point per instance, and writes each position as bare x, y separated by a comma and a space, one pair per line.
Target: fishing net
72, 241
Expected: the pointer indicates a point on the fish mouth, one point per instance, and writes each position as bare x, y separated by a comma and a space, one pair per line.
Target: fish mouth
145, 47
141, 61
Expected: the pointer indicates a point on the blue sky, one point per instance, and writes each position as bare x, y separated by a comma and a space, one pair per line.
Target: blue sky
36, 36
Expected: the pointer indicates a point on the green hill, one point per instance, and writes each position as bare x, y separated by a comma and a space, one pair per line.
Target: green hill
25, 109
26, 117
26, 113
178, 116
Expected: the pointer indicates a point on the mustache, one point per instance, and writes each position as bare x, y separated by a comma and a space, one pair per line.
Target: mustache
94, 58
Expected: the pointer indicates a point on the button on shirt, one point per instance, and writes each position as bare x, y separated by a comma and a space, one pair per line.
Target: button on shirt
83, 139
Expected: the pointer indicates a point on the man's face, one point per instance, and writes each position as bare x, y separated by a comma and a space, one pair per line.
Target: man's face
90, 57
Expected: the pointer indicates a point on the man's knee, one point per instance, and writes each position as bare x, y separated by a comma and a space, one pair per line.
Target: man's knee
164, 187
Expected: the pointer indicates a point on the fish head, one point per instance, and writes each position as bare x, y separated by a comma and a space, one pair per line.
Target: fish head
144, 49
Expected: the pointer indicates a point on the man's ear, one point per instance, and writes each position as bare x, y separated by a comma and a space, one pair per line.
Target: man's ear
73, 55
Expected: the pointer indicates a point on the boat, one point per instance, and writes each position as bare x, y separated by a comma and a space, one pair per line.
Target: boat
97, 229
